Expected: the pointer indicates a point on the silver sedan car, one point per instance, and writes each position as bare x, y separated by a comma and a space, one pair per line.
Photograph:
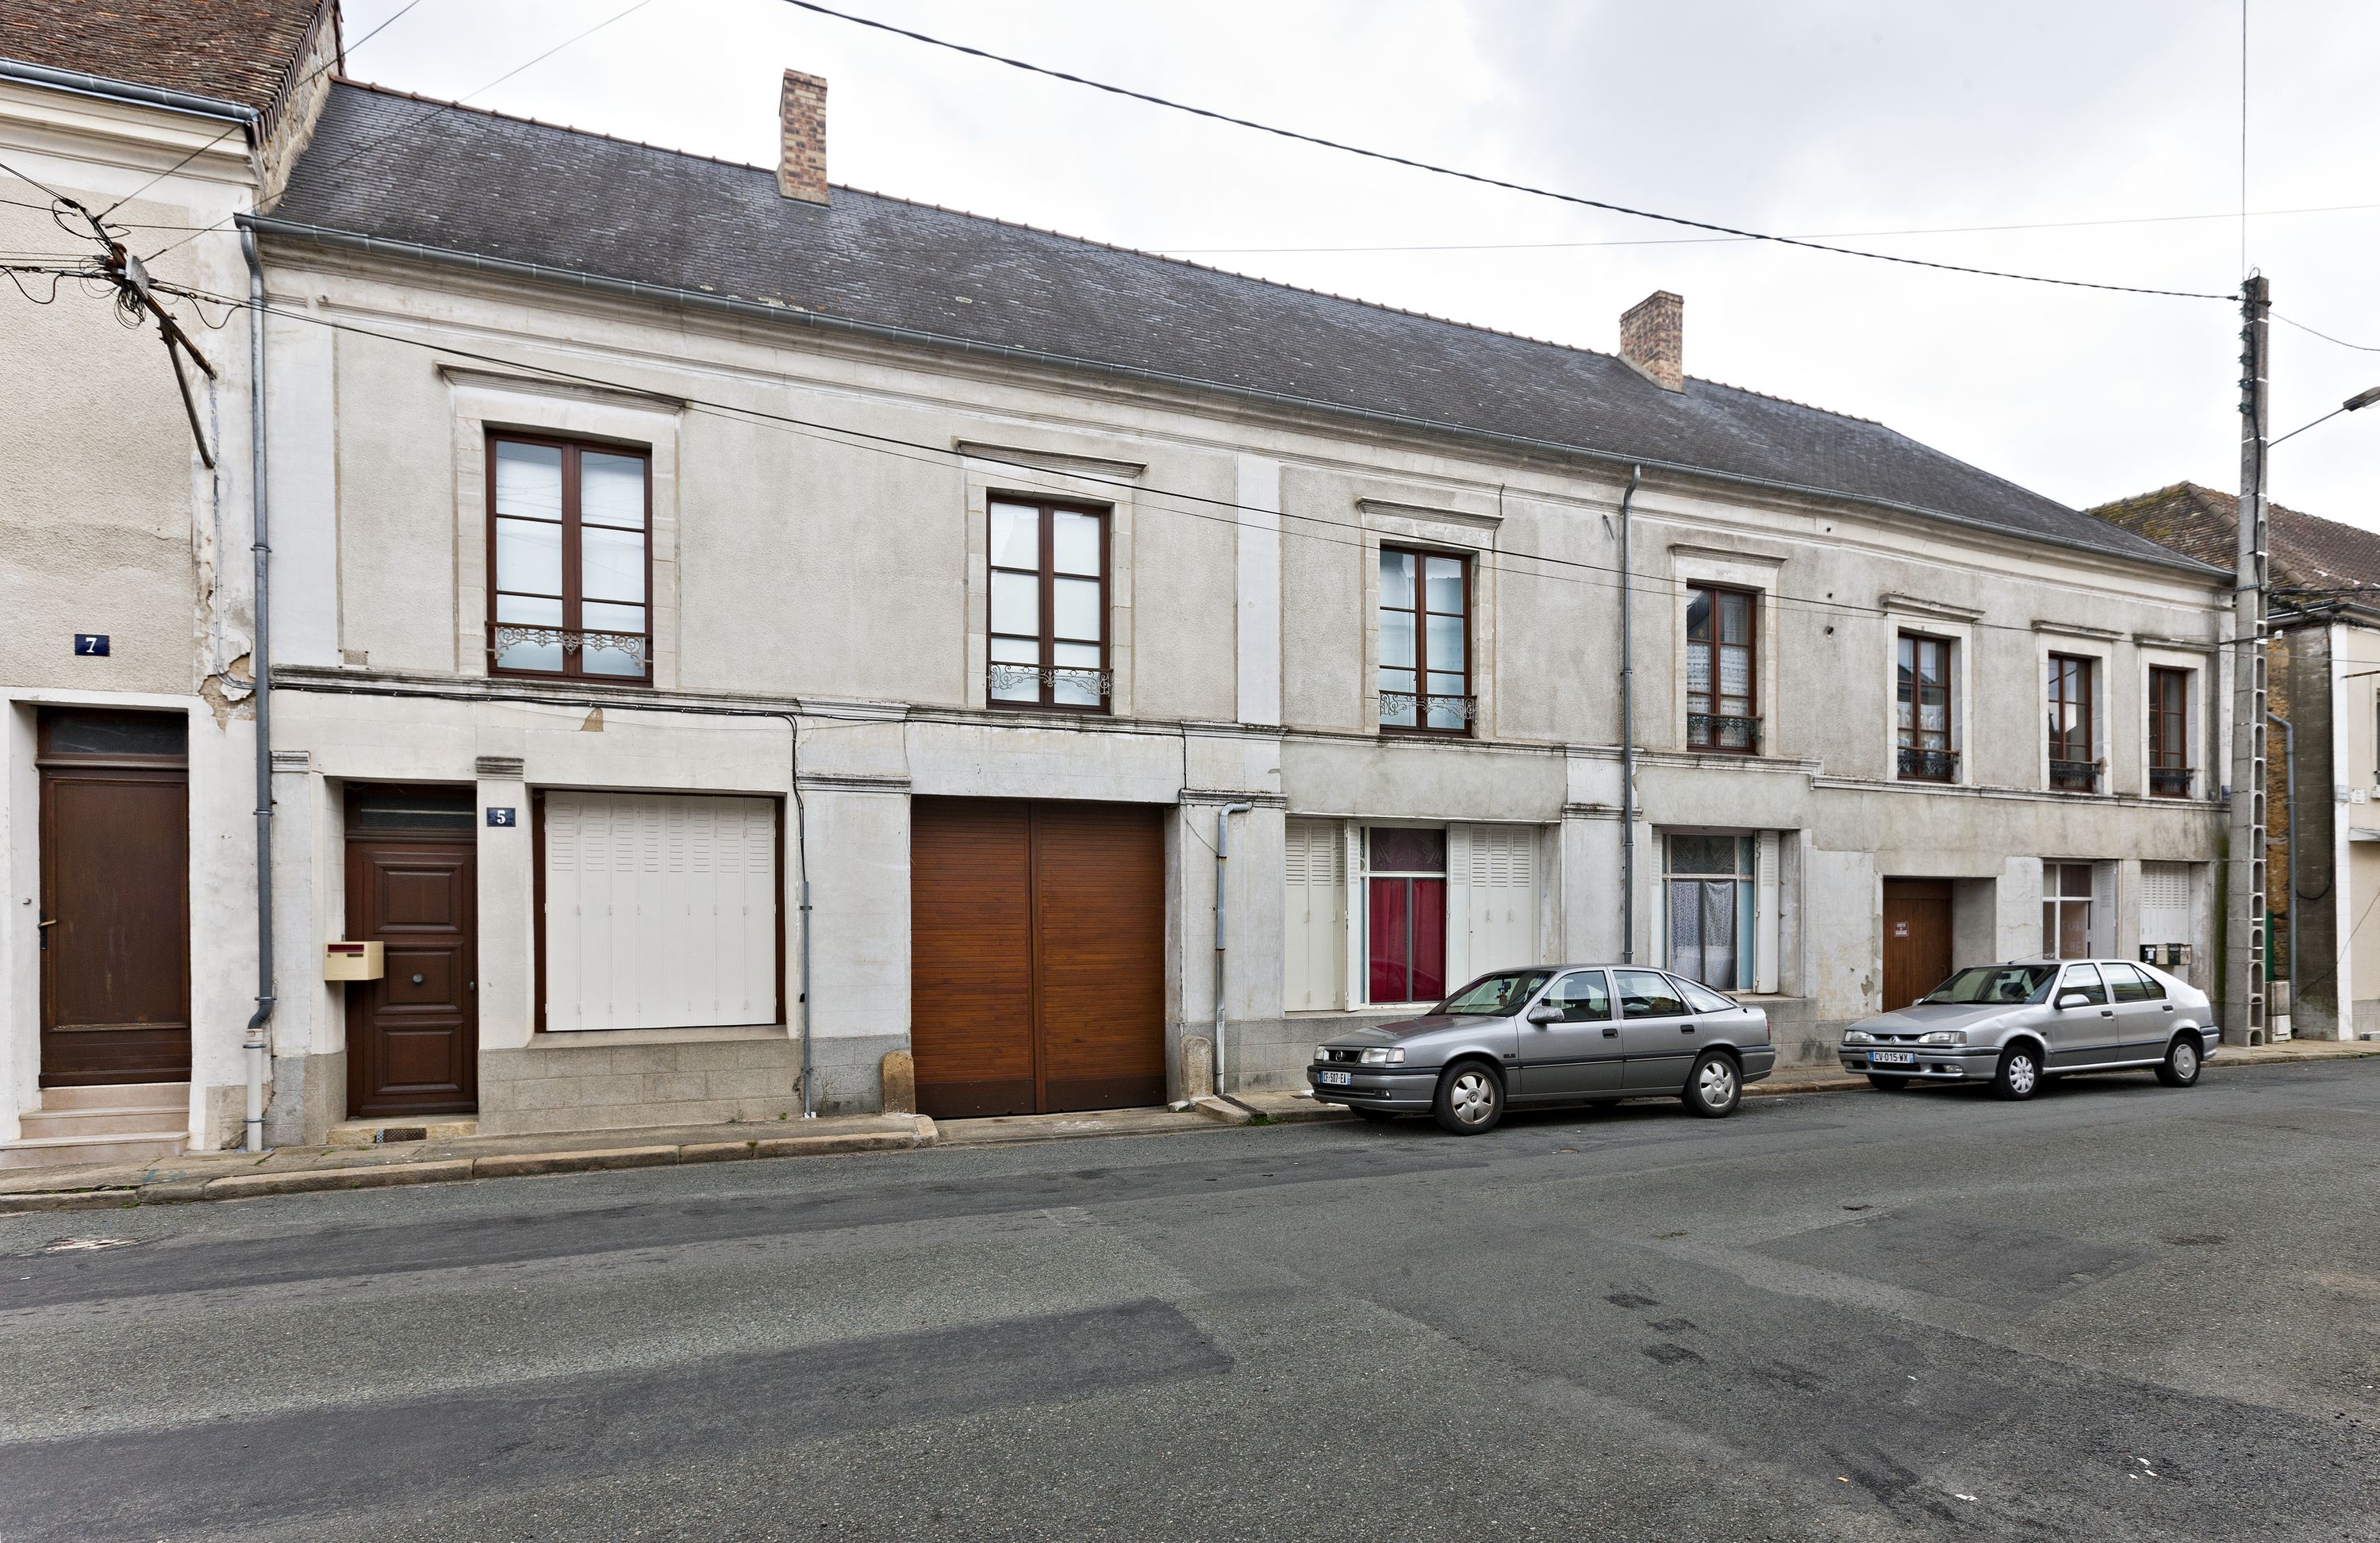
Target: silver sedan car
1564, 1034
2015, 1026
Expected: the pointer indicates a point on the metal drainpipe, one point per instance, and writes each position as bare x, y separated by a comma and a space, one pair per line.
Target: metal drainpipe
802, 899
2289, 853
1222, 857
261, 659
1627, 730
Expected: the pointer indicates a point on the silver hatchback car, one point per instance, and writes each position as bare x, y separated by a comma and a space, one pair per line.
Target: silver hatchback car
1559, 1035
2017, 1025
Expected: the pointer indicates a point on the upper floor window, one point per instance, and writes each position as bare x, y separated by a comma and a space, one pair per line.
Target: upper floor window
2073, 757
2169, 732
1048, 606
1924, 710
571, 561
1425, 641
1723, 710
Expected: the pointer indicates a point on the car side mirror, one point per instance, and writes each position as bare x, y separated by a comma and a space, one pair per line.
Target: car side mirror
1545, 1013
2071, 999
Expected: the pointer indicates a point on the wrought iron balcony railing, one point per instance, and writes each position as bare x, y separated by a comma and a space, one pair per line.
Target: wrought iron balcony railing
1424, 710
1928, 766
504, 636
1010, 678
1717, 731
2169, 781
2074, 776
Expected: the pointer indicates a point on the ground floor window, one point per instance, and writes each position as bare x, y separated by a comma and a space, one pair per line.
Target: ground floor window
2066, 910
1405, 913
1387, 915
1710, 887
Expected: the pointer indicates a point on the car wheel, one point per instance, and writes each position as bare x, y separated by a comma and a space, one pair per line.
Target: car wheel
1714, 1088
2180, 1068
1470, 1099
2020, 1073
1886, 1083
1377, 1116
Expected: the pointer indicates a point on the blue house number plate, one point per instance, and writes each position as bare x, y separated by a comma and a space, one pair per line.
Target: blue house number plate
91, 645
503, 817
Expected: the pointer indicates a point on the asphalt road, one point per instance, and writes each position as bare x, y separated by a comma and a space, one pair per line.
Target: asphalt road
2117, 1312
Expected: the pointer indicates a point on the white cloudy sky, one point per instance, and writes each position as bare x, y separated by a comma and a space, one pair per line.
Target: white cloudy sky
1799, 117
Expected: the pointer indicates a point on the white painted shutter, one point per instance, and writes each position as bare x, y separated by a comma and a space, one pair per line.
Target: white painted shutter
1314, 861
2103, 909
2165, 902
661, 911
1503, 922
1767, 932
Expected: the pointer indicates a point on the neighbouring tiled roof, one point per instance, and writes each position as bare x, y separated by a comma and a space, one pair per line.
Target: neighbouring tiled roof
2306, 552
239, 51
395, 167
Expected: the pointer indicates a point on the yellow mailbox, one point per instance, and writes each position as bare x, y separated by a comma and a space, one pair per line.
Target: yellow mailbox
351, 961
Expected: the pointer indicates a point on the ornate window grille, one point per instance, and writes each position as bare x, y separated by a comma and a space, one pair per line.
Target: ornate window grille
1062, 684
2169, 781
1424, 710
1722, 731
1929, 766
505, 636
2074, 776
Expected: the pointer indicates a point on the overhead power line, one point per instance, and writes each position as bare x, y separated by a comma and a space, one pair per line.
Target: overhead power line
2359, 348
1480, 178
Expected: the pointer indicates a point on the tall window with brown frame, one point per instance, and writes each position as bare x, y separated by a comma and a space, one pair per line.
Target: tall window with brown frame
1048, 606
570, 559
1924, 724
1424, 679
2169, 768
1722, 703
2073, 754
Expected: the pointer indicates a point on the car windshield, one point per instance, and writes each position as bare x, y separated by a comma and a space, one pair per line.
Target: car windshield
1495, 996
1993, 983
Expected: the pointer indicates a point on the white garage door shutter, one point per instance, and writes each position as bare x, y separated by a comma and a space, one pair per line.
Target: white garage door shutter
2165, 902
1314, 861
1503, 898
661, 911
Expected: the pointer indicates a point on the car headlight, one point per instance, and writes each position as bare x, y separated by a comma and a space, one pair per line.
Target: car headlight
1944, 1036
1858, 1036
1321, 1053
1384, 1057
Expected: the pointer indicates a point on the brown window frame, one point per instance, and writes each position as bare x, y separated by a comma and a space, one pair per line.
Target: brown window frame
2169, 731
2084, 668
1046, 576
1708, 742
1421, 612
573, 601
1915, 760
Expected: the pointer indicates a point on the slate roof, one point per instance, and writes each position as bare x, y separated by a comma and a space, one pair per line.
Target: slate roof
237, 51
2306, 552
395, 168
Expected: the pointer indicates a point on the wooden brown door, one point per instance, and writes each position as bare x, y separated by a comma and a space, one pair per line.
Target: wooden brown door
115, 899
1037, 955
1916, 939
413, 1036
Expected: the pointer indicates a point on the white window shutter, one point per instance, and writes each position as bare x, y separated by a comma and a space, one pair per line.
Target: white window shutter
2103, 909
1315, 914
661, 911
1767, 930
2165, 902
1502, 870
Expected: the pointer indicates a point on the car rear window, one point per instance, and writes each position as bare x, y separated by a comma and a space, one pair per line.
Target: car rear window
2130, 983
1648, 994
1702, 999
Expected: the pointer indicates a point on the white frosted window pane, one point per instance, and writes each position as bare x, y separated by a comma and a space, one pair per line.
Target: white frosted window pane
1397, 580
601, 659
597, 616
1074, 543
530, 656
1015, 537
1015, 650
1735, 672
611, 564
1081, 689
528, 610
1445, 714
1075, 656
1074, 604
1446, 585
610, 490
1445, 643
1397, 680
529, 480
528, 556
1015, 602
1698, 673
1445, 686
1396, 640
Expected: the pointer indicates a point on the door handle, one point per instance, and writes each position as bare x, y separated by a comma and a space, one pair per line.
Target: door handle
2168, 1007
2106, 1012
1685, 1029
1611, 1031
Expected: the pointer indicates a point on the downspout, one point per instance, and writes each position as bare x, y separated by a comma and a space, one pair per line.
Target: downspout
1627, 728
2289, 850
260, 656
1223, 857
802, 901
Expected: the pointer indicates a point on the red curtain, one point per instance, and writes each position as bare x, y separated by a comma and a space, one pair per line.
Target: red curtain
1405, 940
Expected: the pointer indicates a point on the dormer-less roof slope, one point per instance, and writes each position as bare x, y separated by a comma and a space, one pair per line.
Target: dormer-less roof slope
392, 167
237, 51
2306, 552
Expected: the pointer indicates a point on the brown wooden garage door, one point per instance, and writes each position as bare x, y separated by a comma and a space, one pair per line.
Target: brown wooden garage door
1036, 966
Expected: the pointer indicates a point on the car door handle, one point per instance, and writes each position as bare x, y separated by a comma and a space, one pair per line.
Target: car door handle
1685, 1029
1612, 1031
2106, 1012
2168, 1007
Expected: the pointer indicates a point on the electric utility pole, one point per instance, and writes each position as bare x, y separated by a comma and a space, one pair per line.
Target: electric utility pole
2244, 1021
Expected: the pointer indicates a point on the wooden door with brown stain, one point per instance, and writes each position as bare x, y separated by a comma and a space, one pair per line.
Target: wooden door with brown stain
116, 925
1916, 939
413, 1036
1037, 955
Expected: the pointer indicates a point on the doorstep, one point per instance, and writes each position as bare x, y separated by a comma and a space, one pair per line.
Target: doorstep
299, 1170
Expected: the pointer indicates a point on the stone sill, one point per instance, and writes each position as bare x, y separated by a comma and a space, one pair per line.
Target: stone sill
605, 1039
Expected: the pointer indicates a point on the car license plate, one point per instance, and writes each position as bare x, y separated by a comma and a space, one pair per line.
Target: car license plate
1891, 1058
1338, 1079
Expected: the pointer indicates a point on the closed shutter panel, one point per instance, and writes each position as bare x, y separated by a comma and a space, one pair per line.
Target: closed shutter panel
1503, 898
661, 911
1314, 862
2103, 909
1767, 932
2165, 902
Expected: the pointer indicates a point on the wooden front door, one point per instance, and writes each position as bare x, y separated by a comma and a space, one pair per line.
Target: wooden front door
1916, 939
413, 1036
115, 898
1037, 955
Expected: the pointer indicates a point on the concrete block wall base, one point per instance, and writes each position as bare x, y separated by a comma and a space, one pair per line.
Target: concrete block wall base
899, 1080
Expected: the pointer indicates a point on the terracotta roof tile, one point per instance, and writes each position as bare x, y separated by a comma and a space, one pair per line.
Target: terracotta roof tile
2307, 551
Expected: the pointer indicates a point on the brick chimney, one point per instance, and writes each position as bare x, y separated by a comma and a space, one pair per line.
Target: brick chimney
1653, 338
801, 158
